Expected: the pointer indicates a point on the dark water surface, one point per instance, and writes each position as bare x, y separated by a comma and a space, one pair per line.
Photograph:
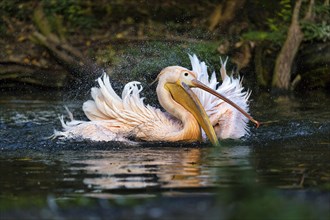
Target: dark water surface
290, 154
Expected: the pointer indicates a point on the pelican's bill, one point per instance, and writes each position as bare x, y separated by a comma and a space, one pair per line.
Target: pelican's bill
188, 99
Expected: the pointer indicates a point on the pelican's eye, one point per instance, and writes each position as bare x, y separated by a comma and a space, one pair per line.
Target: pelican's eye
186, 74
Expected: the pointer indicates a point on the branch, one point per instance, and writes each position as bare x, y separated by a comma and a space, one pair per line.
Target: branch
309, 13
225, 12
283, 64
296, 11
19, 72
70, 58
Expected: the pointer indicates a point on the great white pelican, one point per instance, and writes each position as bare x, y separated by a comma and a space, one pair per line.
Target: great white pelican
192, 101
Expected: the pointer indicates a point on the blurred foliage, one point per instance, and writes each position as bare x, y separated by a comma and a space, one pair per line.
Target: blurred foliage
276, 37
276, 27
21, 10
318, 30
77, 13
314, 31
86, 15
106, 55
15, 9
271, 33
97, 24
149, 58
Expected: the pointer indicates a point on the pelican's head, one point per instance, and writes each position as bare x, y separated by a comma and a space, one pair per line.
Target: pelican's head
178, 81
177, 75
174, 83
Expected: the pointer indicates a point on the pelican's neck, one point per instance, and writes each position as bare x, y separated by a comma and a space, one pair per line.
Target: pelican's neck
191, 130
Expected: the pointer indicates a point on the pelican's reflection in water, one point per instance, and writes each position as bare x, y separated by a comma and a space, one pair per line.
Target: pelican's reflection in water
158, 167
144, 168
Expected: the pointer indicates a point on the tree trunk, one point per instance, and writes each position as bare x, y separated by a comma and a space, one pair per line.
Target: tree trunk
224, 13
282, 72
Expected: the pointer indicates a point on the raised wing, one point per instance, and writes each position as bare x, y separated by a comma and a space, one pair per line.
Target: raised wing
112, 117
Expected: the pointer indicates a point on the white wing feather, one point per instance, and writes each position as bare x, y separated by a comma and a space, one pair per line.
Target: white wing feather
227, 121
114, 118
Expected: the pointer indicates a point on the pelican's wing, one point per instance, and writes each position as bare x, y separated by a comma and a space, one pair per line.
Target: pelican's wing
227, 121
112, 116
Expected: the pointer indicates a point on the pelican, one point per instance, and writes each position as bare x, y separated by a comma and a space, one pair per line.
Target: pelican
195, 109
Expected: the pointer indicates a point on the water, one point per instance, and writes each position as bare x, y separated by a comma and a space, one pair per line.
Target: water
289, 152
